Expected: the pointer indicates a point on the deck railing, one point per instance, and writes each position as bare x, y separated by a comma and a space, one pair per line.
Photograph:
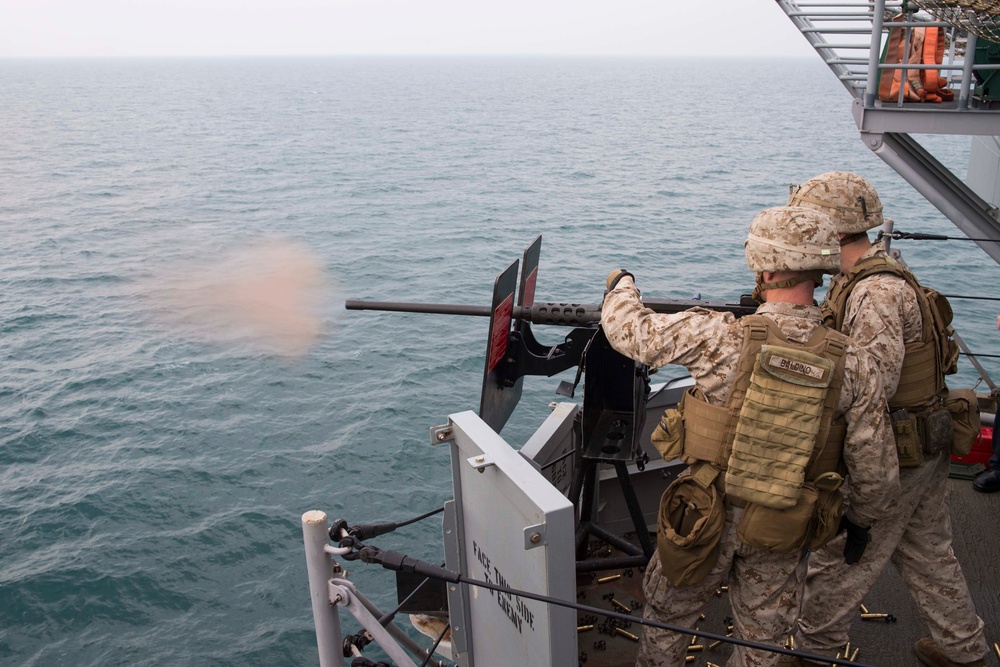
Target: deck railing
850, 37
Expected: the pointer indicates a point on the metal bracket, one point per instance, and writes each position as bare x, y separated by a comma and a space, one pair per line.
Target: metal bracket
481, 462
442, 435
343, 593
534, 536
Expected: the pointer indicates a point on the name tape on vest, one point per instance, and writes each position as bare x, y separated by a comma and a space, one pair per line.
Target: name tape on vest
793, 366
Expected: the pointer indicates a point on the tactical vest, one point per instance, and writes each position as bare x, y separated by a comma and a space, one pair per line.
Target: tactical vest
711, 430
925, 361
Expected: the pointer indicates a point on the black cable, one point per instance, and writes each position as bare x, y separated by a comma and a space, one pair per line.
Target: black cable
920, 236
387, 617
421, 517
981, 298
396, 561
364, 531
559, 458
434, 648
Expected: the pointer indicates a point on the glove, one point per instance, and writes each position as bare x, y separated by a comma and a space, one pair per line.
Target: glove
615, 276
857, 540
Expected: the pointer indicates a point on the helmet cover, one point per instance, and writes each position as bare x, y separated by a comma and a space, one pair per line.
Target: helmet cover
847, 198
792, 238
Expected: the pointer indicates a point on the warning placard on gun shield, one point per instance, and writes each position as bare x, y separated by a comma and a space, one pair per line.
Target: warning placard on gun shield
501, 327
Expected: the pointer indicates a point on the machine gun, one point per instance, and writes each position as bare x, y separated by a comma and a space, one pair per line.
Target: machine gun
512, 349
615, 387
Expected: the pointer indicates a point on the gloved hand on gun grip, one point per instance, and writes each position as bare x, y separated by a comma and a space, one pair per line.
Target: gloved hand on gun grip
857, 540
615, 276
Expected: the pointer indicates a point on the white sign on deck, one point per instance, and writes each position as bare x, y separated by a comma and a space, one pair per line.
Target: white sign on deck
514, 530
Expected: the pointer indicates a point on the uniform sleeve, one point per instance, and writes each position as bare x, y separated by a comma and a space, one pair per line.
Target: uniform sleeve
869, 448
656, 339
876, 319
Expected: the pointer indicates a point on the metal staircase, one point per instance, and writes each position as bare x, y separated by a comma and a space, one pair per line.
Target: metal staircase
850, 37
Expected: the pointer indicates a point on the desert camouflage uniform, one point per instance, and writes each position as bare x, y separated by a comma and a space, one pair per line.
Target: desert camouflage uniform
882, 313
764, 586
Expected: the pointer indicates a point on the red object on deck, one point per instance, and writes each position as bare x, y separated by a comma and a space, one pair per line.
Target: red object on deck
982, 449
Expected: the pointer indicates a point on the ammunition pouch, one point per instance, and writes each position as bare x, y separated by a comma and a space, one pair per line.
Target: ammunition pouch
938, 430
812, 522
906, 433
689, 526
782, 530
668, 436
963, 406
921, 433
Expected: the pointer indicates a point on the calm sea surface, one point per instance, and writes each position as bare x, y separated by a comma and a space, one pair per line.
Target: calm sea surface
179, 381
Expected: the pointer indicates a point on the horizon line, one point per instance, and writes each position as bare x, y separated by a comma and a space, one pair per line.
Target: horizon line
408, 55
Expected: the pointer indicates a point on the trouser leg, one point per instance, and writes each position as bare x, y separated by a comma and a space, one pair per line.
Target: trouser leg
835, 590
927, 563
680, 605
765, 591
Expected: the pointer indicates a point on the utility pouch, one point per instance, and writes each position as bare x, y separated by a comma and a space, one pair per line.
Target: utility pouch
781, 530
938, 430
778, 426
907, 434
689, 527
829, 509
963, 406
668, 436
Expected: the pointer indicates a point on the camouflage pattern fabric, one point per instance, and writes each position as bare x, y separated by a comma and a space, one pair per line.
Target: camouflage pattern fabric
765, 586
849, 200
882, 314
768, 585
916, 537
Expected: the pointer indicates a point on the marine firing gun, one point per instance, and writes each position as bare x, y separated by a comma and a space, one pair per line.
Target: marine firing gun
615, 388
513, 351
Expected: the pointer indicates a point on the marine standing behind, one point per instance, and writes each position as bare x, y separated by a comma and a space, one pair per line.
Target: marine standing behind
706, 535
877, 303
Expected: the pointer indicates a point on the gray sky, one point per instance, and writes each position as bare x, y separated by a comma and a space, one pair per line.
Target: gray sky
332, 27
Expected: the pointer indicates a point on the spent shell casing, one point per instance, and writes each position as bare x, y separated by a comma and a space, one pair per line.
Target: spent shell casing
621, 606
604, 580
847, 648
874, 617
854, 656
701, 617
694, 648
997, 649
864, 609
790, 642
690, 658
629, 635
584, 628
694, 640
724, 587
715, 643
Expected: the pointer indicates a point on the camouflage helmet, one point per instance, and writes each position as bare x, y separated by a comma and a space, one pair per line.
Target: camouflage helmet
847, 198
793, 238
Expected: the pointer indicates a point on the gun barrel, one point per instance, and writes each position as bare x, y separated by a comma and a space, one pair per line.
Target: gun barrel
406, 307
551, 313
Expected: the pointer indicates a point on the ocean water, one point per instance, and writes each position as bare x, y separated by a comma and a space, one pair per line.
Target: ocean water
179, 381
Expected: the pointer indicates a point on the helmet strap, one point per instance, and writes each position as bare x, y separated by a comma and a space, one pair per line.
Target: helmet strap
851, 238
801, 276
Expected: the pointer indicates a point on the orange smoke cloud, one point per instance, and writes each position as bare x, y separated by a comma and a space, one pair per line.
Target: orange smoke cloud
268, 295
